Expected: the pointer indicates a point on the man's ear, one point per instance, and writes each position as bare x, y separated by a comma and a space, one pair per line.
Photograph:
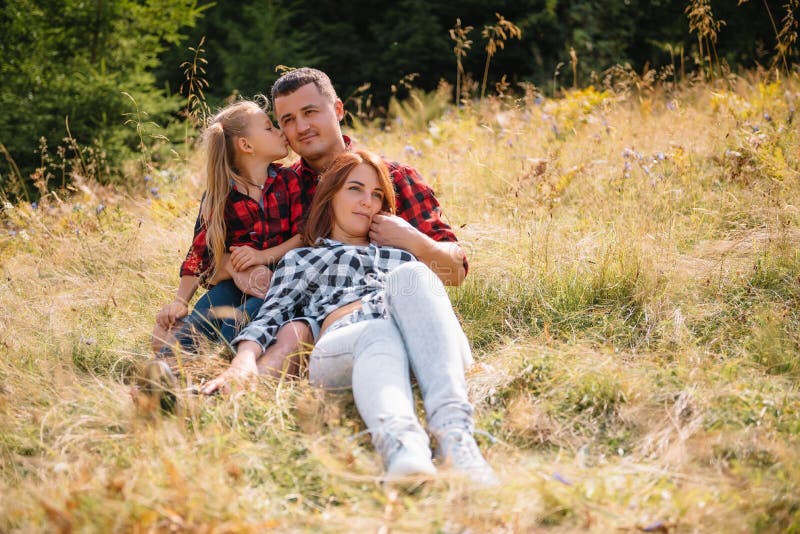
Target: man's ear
338, 107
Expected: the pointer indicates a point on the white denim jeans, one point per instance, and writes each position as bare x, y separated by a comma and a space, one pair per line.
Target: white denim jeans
422, 333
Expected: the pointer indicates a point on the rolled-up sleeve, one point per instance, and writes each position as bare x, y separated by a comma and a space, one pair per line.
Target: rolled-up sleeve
288, 295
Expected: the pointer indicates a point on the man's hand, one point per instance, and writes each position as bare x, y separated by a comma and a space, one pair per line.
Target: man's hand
253, 281
175, 310
445, 258
245, 257
394, 231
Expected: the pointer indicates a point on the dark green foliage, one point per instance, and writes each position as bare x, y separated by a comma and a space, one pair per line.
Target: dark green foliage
71, 60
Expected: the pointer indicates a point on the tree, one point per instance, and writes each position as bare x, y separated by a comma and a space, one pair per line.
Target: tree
70, 61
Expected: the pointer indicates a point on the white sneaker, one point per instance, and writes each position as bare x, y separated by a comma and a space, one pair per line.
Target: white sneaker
405, 449
456, 448
412, 458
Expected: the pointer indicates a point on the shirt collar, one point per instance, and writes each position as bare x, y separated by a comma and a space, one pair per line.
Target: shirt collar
272, 172
328, 242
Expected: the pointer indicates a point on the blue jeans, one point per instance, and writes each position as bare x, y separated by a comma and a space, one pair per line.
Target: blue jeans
218, 316
376, 357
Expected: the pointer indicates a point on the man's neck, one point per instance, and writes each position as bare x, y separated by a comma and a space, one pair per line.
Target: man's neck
322, 163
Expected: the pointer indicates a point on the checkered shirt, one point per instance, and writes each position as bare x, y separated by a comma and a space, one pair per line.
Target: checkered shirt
416, 202
261, 225
311, 282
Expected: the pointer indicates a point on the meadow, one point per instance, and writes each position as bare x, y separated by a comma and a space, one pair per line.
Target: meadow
633, 302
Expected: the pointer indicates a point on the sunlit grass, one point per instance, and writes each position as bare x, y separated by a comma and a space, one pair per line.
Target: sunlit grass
633, 301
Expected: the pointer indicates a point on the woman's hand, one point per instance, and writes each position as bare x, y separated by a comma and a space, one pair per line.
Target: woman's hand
243, 369
175, 310
245, 257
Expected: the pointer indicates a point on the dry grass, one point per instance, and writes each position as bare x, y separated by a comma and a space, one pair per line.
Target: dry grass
633, 301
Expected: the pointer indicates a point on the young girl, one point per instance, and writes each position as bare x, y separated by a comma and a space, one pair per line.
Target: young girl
248, 220
380, 313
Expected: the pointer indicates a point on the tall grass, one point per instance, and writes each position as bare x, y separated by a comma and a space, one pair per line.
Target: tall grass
632, 299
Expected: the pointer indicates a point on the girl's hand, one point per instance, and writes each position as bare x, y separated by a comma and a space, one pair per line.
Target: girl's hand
245, 257
177, 309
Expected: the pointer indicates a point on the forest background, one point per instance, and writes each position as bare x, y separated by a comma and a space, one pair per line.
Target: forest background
93, 83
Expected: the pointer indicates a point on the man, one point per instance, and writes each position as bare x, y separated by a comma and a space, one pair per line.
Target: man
309, 113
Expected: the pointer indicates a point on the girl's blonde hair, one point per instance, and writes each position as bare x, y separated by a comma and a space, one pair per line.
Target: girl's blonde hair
220, 136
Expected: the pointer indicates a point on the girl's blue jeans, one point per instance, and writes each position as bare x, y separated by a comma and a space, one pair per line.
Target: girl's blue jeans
218, 316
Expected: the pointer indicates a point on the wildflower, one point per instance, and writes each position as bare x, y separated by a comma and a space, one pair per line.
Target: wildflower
34, 205
558, 476
755, 128
100, 208
659, 156
627, 166
671, 105
538, 100
147, 178
12, 233
154, 191
408, 149
767, 117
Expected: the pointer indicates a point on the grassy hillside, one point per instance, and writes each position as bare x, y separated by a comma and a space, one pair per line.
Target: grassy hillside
633, 302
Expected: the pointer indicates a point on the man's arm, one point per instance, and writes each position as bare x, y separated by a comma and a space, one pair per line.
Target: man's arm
425, 234
445, 258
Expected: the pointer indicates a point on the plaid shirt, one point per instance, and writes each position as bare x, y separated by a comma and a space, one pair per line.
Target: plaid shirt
416, 202
311, 282
261, 225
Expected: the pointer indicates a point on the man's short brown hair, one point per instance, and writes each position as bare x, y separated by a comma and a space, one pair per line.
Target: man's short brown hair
297, 78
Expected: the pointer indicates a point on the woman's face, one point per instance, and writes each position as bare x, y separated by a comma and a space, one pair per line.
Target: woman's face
359, 198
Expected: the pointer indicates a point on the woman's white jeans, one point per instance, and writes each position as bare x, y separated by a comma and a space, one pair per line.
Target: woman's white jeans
422, 333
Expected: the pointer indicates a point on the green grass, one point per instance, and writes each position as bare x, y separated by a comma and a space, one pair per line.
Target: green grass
632, 303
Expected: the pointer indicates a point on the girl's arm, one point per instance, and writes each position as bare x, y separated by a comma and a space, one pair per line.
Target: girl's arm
179, 307
245, 257
224, 272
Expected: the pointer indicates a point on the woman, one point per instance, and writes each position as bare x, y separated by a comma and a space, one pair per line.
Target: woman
378, 312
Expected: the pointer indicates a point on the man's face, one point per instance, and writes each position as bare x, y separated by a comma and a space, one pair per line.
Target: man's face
311, 123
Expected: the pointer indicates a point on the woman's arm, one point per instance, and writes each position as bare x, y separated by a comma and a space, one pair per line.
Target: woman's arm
287, 292
243, 367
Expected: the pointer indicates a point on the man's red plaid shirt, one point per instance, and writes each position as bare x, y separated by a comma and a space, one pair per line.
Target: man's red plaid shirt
261, 225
